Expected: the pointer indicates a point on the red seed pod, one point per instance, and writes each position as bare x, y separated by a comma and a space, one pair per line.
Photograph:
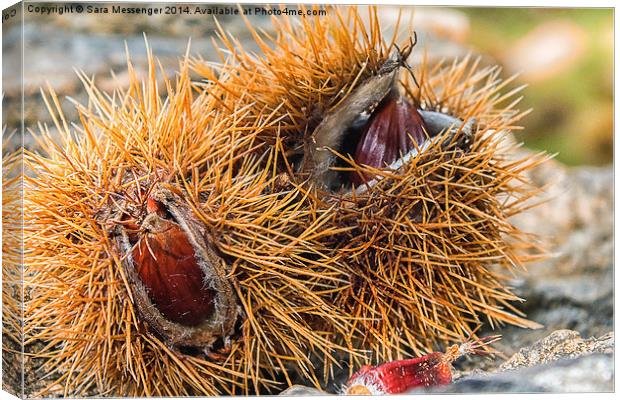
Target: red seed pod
168, 267
179, 284
393, 130
400, 376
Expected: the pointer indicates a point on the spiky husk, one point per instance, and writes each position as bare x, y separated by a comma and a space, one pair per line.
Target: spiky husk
12, 350
429, 249
310, 64
79, 302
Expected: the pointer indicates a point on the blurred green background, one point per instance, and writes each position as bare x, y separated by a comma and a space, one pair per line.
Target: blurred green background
566, 57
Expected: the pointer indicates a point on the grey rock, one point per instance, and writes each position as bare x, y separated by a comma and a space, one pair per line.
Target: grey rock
578, 218
591, 373
300, 390
560, 344
51, 56
560, 362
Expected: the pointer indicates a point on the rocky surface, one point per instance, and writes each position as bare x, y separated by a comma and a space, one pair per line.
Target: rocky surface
560, 362
300, 390
573, 287
592, 373
562, 344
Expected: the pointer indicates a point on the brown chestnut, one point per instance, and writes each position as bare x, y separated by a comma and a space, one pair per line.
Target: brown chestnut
179, 284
